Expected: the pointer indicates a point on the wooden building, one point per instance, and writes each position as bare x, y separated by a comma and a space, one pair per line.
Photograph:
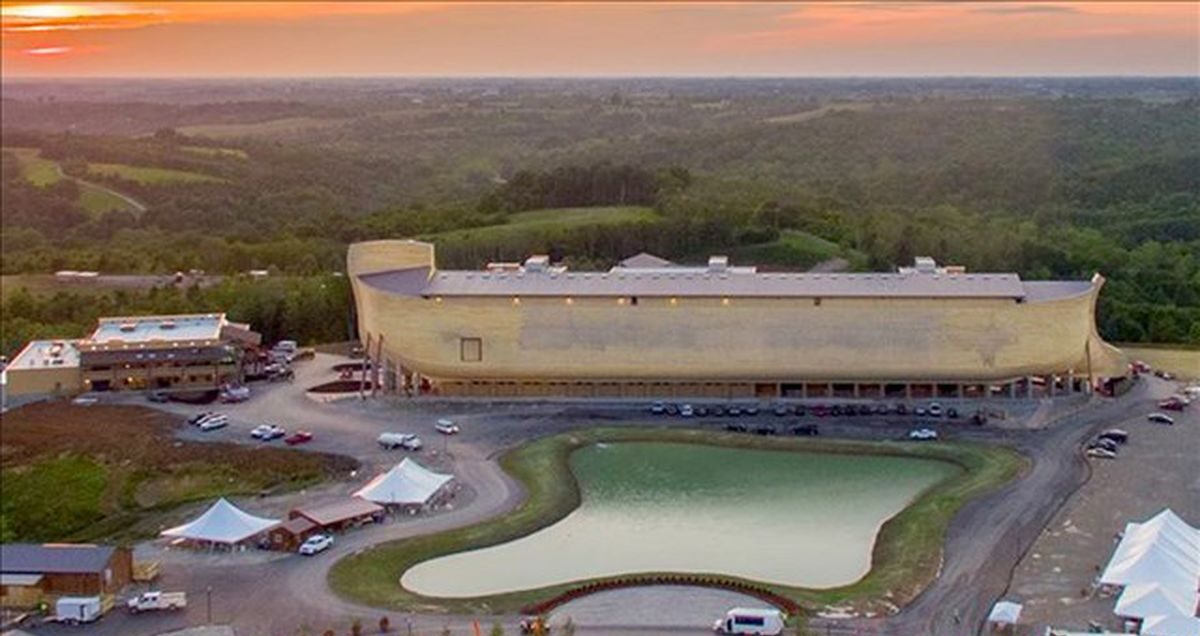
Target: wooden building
31, 573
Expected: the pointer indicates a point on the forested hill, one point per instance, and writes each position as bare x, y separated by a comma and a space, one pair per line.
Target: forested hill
1050, 178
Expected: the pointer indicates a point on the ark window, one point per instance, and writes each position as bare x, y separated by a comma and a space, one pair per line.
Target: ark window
470, 349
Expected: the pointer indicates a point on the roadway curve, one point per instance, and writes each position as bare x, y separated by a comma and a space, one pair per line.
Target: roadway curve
134, 203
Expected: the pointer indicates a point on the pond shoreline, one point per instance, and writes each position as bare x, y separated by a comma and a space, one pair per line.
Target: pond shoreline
905, 556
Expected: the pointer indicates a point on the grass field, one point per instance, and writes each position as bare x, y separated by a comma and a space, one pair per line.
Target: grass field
36, 170
1184, 363
793, 249
43, 172
211, 151
906, 556
547, 221
148, 175
114, 472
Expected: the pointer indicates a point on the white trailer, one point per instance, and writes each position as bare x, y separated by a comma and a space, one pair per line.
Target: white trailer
78, 609
751, 621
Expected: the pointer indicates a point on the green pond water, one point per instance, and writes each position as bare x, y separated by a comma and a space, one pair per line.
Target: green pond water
802, 519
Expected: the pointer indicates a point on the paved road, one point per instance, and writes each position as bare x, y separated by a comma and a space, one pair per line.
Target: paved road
137, 205
279, 594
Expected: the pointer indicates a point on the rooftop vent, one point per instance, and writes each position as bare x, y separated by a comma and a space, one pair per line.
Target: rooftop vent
166, 324
127, 327
925, 265
718, 263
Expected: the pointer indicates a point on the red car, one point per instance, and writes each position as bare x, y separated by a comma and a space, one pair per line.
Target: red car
1172, 404
299, 437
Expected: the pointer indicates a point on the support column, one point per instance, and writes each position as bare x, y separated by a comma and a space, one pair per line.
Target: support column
1012, 389
855, 385
1052, 382
908, 390
804, 390
1070, 381
959, 390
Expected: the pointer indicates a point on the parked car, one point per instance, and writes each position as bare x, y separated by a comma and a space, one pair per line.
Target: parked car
806, 430
750, 621
952, 413
316, 543
159, 397
658, 408
1164, 375
881, 409
392, 441
820, 410
153, 601
1117, 435
920, 411
835, 410
765, 429
686, 410
299, 437
446, 427
672, 409
231, 394
701, 411
901, 409
736, 428
267, 432
718, 411
199, 417
1172, 404
800, 410
935, 409
752, 409
781, 410
735, 411
865, 409
215, 421
1103, 442
1101, 453
1161, 418
922, 434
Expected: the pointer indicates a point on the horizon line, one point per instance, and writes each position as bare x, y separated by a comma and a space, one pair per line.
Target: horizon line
605, 77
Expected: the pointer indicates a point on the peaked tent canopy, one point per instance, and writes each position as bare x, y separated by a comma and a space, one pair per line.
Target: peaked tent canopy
407, 483
223, 522
1005, 613
1171, 626
1152, 599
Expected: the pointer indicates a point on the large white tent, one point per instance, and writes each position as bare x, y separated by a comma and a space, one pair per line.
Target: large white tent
1163, 549
223, 522
1171, 626
1153, 599
407, 483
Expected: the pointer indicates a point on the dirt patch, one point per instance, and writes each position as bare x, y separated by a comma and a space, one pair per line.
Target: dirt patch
144, 469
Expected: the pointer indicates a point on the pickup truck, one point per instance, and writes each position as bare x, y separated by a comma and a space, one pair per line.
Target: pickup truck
151, 601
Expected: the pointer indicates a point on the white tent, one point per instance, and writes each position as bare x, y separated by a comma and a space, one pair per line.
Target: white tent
1171, 626
1005, 613
1149, 564
1153, 599
407, 483
223, 522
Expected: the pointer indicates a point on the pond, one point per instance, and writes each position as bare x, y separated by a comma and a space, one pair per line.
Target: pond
799, 519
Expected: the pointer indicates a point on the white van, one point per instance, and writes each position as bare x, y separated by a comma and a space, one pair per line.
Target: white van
743, 620
288, 346
77, 609
214, 421
407, 441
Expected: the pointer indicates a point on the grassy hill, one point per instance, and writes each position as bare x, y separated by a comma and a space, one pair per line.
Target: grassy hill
550, 220
149, 175
794, 250
44, 172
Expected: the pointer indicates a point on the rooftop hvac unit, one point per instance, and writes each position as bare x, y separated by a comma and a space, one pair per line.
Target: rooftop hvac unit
128, 327
166, 324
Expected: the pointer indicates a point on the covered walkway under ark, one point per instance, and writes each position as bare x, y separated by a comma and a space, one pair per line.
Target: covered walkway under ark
396, 379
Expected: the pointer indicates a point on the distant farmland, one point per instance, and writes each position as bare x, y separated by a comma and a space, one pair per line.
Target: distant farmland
93, 198
549, 220
149, 175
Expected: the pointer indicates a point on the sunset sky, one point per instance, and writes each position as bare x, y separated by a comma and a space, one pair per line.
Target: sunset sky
531, 39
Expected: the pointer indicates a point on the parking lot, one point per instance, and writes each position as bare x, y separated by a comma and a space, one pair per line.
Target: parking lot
1156, 469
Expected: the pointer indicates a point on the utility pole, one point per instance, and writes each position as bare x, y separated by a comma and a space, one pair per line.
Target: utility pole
208, 602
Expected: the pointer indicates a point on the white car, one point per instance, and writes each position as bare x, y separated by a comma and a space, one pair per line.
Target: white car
407, 441
235, 394
1160, 418
935, 409
200, 417
446, 427
316, 543
922, 434
686, 410
1101, 453
268, 432
658, 408
214, 422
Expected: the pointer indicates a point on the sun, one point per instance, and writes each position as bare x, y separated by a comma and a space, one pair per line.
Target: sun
47, 11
